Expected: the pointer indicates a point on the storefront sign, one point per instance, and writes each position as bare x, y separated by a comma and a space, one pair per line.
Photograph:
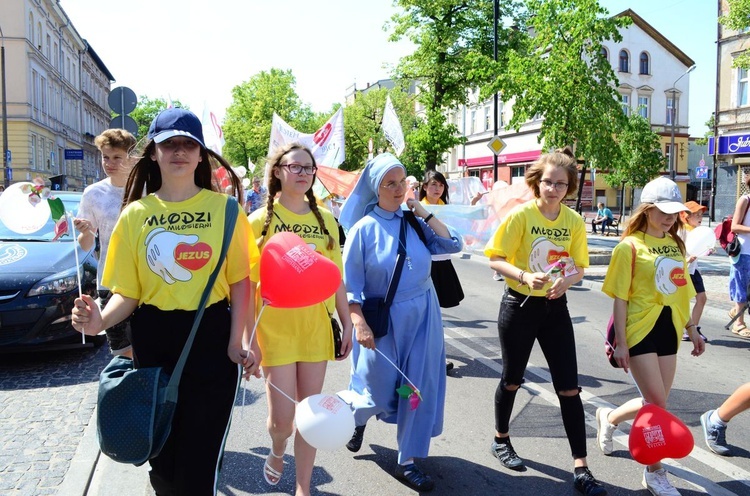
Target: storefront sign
730, 145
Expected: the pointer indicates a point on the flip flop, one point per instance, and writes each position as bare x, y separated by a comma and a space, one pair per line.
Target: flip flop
732, 313
741, 330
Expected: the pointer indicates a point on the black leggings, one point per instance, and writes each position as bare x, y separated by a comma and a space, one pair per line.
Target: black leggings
548, 322
189, 462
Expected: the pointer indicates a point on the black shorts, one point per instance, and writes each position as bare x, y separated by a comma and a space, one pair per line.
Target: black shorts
662, 339
697, 279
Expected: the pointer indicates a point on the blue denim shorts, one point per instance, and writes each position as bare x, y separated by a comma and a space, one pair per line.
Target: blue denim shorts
739, 277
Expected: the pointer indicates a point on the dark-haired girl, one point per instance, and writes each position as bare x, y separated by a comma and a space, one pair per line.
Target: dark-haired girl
540, 248
150, 280
296, 343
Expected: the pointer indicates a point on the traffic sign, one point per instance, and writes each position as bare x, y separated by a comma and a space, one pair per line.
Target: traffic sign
124, 122
8, 156
496, 145
701, 172
701, 162
122, 100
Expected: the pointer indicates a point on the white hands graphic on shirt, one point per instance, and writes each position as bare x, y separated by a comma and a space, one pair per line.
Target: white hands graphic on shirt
160, 254
665, 274
540, 254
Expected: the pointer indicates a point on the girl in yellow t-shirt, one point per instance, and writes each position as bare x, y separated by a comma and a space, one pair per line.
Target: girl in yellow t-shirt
652, 293
163, 249
535, 240
296, 343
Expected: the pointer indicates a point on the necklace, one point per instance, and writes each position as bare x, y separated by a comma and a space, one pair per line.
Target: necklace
403, 246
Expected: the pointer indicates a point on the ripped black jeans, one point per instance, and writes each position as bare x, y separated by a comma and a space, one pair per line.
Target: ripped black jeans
546, 321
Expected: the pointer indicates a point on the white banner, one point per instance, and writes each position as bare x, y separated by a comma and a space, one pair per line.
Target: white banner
213, 136
392, 127
326, 144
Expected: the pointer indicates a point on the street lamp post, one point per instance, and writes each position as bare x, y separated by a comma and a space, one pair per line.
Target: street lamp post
6, 169
673, 112
496, 12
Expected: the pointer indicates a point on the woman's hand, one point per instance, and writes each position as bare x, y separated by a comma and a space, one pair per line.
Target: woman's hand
243, 357
346, 342
364, 335
699, 346
536, 280
558, 288
87, 318
622, 357
417, 207
691, 259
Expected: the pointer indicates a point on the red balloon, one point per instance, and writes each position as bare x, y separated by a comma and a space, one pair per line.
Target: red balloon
293, 275
657, 434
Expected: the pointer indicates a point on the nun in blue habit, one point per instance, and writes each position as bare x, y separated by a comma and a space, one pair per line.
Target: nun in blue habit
373, 216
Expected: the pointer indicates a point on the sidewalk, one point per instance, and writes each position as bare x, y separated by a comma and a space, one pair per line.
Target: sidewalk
93, 474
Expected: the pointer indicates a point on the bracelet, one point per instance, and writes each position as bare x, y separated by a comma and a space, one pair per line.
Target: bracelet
690, 325
520, 278
427, 219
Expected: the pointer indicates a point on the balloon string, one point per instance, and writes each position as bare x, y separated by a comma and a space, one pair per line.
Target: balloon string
69, 218
252, 336
399, 370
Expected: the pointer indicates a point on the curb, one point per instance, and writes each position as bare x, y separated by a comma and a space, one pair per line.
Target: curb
78, 477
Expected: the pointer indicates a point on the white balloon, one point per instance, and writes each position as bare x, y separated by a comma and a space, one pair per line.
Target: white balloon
324, 421
18, 214
245, 182
240, 170
700, 240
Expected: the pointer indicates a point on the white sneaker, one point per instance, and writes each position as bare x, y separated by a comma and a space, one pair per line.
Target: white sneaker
657, 483
604, 430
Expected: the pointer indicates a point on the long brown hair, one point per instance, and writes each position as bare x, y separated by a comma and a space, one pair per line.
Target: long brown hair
145, 178
274, 186
639, 222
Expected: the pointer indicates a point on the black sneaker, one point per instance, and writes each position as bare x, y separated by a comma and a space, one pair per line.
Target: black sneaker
448, 366
507, 456
414, 478
355, 443
587, 484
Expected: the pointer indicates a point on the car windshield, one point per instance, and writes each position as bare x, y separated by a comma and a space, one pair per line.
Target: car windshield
24, 222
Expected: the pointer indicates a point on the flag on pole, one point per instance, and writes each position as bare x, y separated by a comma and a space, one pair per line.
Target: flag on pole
213, 136
392, 127
169, 101
326, 144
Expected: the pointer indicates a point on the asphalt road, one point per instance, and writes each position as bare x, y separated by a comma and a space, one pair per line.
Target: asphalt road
460, 459
46, 403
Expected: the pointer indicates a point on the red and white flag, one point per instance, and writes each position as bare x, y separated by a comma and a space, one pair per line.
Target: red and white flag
326, 144
392, 127
213, 136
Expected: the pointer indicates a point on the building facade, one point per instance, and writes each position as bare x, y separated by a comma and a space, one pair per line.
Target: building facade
648, 67
57, 89
731, 158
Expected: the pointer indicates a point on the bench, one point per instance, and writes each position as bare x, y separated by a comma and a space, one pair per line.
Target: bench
615, 224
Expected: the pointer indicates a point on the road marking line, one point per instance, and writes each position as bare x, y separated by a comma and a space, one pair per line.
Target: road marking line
691, 477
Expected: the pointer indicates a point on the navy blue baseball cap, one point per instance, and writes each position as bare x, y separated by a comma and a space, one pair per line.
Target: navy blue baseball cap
176, 122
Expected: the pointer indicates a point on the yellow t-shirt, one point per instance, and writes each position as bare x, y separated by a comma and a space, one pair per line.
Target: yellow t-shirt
162, 253
532, 242
424, 201
661, 279
289, 335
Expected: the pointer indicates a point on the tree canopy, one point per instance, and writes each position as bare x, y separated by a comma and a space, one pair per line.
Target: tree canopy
147, 109
738, 18
449, 35
247, 126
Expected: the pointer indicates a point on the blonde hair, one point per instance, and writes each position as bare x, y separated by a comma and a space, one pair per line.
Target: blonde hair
639, 223
562, 157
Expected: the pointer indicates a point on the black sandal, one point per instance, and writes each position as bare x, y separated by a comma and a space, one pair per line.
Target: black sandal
414, 478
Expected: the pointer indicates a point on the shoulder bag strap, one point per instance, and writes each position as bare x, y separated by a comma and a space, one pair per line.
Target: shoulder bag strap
400, 257
230, 218
413, 222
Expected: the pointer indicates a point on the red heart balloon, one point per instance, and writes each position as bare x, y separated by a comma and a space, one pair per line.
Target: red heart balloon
293, 275
657, 434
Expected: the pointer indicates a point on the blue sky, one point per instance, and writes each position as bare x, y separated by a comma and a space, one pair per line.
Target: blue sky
195, 51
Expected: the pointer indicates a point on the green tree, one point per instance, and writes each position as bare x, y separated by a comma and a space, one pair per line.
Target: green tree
560, 73
247, 126
640, 152
363, 120
450, 36
147, 109
710, 123
738, 18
